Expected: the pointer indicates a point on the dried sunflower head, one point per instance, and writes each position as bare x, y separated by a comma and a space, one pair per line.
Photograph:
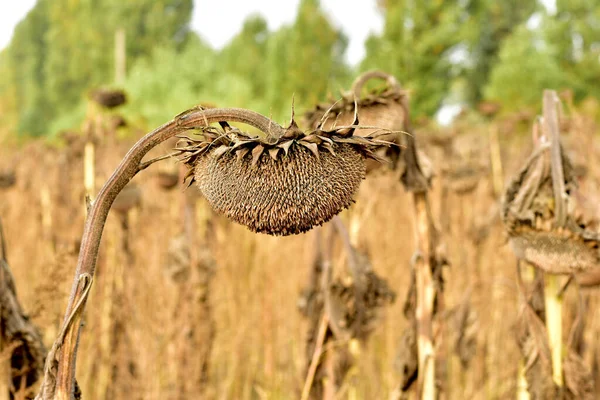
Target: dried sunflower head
109, 98
528, 213
381, 108
279, 185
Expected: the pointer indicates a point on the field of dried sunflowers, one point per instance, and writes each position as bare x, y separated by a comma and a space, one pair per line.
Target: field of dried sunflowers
414, 291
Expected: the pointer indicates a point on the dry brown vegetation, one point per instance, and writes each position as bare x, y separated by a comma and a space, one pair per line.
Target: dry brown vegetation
168, 319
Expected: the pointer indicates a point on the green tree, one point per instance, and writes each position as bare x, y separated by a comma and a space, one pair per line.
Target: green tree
63, 48
23, 82
305, 59
485, 24
169, 81
526, 66
415, 46
81, 40
562, 52
574, 32
246, 56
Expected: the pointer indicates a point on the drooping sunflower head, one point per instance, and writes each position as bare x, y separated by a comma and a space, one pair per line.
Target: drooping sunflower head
278, 184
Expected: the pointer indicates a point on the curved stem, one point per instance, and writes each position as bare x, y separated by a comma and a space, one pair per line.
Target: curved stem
359, 82
94, 225
191, 118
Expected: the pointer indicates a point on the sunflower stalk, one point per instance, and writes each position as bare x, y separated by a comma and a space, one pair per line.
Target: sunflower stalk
425, 238
496, 160
388, 107
553, 302
425, 299
552, 290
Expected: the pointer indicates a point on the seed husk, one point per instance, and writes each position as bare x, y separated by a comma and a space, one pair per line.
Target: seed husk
278, 185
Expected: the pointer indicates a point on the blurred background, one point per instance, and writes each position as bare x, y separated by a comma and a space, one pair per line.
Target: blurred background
257, 54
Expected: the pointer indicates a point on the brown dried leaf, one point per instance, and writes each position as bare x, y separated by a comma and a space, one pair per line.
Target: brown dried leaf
219, 151
256, 153
285, 145
273, 152
311, 146
242, 152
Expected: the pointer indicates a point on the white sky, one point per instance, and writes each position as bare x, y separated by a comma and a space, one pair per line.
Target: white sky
218, 21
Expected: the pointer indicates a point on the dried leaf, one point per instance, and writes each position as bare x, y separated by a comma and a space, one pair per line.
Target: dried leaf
221, 150
285, 145
242, 152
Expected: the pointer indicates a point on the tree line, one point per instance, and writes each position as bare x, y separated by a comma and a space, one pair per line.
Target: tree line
443, 52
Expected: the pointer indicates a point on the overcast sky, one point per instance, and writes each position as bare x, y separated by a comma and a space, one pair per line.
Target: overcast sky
218, 21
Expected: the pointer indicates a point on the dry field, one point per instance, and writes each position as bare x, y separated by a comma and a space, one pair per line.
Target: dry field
231, 327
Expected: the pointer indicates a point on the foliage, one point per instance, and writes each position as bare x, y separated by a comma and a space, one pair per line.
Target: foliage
526, 67
258, 69
563, 52
415, 46
484, 27
574, 31
64, 48
442, 52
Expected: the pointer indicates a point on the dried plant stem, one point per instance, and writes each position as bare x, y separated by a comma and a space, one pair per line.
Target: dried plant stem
425, 298
329, 388
312, 369
552, 296
195, 333
5, 373
103, 380
89, 171
359, 82
20, 339
552, 133
496, 161
425, 234
553, 302
522, 393
359, 288
60, 365
46, 205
